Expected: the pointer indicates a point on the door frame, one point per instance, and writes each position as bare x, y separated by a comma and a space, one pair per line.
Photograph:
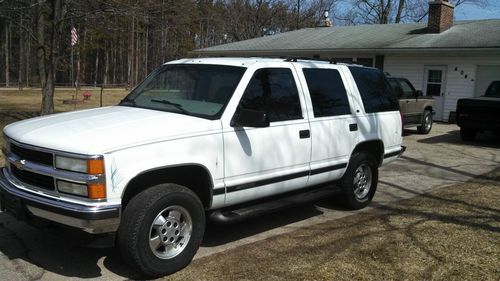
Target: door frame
439, 107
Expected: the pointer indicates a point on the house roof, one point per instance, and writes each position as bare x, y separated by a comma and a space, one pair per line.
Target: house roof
463, 35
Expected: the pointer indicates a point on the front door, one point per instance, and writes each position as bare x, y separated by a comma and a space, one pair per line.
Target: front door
260, 162
435, 81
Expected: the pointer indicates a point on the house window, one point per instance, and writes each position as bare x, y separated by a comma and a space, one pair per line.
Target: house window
434, 81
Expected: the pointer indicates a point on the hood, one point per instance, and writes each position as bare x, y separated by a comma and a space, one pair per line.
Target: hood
96, 131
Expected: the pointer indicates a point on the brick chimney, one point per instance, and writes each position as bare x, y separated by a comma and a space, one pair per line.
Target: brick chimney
440, 16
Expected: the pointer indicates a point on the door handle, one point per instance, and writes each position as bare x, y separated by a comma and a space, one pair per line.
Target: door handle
304, 134
353, 127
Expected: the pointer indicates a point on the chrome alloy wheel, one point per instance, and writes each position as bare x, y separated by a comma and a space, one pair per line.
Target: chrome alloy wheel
362, 181
428, 122
170, 232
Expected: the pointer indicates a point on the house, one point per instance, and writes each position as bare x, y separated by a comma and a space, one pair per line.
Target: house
445, 59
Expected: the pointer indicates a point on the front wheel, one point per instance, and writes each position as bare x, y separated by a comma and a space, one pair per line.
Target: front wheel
426, 123
359, 182
161, 229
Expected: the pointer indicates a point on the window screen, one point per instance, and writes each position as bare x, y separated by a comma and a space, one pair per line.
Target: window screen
375, 91
328, 94
273, 90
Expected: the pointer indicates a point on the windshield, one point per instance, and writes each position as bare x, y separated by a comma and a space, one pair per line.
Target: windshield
493, 90
191, 89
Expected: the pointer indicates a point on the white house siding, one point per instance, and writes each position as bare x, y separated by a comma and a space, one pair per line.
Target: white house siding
457, 86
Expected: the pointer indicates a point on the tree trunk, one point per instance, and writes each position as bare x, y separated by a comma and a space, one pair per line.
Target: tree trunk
96, 67
20, 68
106, 67
7, 53
27, 60
131, 54
48, 22
400, 11
137, 46
146, 53
386, 9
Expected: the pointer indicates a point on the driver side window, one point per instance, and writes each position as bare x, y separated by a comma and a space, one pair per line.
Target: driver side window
273, 91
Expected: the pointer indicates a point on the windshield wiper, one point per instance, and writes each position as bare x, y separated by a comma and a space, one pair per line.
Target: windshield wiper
176, 105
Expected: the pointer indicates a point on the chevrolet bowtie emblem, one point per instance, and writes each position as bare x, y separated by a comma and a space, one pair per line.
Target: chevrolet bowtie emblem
20, 164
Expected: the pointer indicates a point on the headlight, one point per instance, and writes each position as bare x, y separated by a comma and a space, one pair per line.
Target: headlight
92, 166
71, 164
72, 188
89, 166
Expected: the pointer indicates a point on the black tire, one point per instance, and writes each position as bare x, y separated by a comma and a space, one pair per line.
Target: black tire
136, 229
354, 196
468, 134
426, 123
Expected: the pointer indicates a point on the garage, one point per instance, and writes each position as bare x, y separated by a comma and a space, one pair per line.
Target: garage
485, 75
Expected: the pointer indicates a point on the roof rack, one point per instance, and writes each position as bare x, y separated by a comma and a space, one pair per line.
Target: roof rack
331, 60
295, 59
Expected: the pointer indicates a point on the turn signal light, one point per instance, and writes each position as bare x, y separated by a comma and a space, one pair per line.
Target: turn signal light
96, 191
95, 166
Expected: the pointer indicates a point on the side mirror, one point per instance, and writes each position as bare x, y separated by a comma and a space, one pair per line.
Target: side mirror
250, 118
419, 93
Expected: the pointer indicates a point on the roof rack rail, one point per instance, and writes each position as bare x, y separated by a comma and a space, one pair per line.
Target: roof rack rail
294, 59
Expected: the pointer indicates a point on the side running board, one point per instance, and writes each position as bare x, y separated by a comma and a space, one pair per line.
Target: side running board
237, 214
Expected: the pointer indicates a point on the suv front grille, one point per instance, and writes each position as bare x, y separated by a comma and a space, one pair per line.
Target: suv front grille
34, 179
32, 155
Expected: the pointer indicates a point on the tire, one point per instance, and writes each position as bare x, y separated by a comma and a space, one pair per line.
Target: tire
161, 229
468, 134
358, 192
426, 124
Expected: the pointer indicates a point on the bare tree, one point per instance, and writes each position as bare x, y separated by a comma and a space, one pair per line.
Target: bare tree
393, 11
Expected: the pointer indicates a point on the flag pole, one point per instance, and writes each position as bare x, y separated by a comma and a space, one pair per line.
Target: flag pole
71, 75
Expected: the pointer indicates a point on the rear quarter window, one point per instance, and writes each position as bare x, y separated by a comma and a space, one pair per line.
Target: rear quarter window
328, 94
376, 94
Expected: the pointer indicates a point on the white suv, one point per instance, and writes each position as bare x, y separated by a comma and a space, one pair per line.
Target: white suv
202, 138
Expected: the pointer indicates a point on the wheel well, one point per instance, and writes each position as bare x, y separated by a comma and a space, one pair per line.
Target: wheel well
373, 147
429, 108
194, 177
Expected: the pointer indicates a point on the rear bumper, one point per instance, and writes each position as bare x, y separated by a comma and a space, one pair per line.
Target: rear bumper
483, 125
22, 204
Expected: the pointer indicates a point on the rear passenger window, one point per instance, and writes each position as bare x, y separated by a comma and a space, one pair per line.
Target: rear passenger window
375, 92
273, 90
328, 94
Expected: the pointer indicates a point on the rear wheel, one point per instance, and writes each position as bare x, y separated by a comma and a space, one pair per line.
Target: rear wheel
426, 124
468, 134
359, 182
161, 229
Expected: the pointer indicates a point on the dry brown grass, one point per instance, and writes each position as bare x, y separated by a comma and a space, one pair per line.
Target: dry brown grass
16, 105
449, 234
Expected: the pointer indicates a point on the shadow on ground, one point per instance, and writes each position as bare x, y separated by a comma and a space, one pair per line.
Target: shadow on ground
486, 139
71, 253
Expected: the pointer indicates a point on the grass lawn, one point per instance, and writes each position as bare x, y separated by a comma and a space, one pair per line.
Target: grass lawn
16, 105
449, 234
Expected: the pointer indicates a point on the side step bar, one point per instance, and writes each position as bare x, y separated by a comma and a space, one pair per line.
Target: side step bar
240, 213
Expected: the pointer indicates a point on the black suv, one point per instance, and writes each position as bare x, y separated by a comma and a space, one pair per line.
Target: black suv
416, 109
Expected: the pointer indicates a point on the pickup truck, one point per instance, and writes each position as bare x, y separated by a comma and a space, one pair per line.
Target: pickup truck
480, 114
416, 109
214, 138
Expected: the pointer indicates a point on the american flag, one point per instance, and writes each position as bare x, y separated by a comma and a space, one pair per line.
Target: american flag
74, 36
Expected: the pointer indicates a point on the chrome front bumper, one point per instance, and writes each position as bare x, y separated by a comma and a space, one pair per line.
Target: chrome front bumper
92, 219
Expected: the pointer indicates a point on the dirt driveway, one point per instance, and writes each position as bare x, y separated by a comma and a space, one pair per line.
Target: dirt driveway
431, 162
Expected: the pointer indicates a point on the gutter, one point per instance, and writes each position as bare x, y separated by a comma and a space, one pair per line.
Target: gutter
380, 51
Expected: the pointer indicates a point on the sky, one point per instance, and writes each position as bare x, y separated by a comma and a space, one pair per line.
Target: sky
471, 12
